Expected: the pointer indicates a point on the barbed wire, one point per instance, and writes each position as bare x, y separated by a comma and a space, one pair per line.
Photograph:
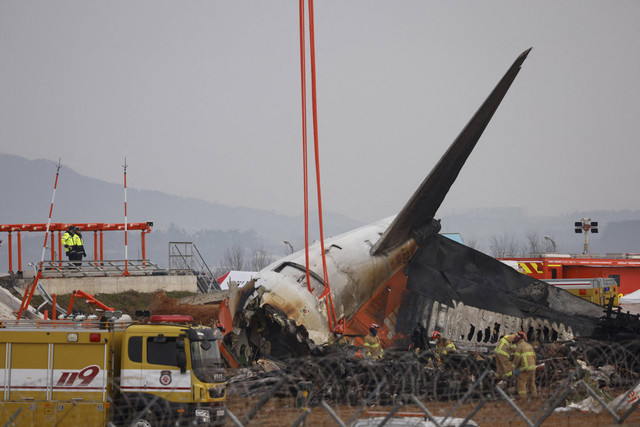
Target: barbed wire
336, 388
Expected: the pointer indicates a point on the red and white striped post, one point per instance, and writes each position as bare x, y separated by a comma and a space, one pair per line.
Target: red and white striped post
28, 293
126, 255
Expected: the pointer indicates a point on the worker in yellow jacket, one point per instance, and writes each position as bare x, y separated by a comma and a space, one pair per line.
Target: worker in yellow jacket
67, 241
524, 363
372, 344
444, 346
502, 353
77, 251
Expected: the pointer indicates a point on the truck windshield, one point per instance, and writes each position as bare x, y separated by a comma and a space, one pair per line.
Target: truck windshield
206, 362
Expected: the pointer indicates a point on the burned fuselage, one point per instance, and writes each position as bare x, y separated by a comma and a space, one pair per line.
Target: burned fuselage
285, 307
398, 272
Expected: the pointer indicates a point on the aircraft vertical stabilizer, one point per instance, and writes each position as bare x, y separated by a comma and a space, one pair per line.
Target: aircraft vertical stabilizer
422, 206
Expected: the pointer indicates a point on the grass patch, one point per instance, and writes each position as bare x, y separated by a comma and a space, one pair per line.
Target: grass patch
126, 302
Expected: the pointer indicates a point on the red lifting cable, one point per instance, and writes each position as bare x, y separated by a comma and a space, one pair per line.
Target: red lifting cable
304, 142
327, 291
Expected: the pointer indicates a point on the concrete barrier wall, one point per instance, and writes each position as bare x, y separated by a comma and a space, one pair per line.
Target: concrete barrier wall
115, 285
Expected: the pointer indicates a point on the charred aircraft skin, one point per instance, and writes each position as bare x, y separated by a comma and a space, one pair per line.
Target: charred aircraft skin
279, 317
476, 296
354, 275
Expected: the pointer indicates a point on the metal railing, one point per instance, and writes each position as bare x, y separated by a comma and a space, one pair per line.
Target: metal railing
102, 268
185, 256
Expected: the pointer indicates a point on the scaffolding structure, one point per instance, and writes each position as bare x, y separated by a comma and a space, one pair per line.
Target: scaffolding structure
98, 237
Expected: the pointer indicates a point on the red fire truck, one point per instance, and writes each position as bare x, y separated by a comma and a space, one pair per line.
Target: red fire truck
624, 268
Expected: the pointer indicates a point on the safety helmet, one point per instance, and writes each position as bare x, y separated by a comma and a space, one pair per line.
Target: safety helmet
519, 337
435, 335
374, 326
339, 329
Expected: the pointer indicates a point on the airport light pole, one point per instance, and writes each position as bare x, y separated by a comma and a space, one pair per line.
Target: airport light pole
587, 225
553, 244
290, 246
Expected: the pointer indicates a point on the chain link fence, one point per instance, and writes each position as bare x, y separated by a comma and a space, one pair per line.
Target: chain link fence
582, 383
585, 382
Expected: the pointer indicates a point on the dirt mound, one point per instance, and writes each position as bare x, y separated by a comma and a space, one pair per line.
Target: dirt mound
203, 314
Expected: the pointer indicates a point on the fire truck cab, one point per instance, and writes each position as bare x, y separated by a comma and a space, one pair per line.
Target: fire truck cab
90, 373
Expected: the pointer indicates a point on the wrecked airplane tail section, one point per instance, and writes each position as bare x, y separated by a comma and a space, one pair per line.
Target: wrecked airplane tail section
485, 299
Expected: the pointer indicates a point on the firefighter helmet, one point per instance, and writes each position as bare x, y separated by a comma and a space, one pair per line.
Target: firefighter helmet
519, 337
435, 335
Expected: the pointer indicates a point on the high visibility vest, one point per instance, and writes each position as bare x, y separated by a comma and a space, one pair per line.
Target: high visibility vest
373, 346
524, 358
444, 346
77, 240
67, 241
506, 347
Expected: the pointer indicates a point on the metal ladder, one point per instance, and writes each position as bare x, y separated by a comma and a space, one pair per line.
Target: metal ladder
186, 257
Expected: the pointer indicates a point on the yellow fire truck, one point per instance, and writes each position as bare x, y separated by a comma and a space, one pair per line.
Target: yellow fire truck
598, 290
111, 372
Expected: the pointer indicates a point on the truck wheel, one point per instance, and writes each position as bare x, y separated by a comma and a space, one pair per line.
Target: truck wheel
149, 420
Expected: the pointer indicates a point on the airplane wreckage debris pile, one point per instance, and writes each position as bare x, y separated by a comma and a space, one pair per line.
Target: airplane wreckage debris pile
339, 378
400, 272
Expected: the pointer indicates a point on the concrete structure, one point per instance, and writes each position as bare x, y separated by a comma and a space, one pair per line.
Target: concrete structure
118, 284
10, 304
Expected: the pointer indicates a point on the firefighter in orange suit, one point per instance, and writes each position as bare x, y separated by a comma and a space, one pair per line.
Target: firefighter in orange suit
524, 363
444, 346
372, 344
503, 352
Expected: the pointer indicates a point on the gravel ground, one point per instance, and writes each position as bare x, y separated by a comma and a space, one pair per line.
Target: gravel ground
282, 412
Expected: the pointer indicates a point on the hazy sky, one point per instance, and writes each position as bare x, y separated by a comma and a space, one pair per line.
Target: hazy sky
203, 99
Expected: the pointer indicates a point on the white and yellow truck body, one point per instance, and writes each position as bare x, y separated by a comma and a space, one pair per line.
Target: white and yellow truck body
91, 373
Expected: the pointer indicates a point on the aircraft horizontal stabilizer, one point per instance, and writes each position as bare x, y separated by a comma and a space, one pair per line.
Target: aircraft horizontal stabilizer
421, 208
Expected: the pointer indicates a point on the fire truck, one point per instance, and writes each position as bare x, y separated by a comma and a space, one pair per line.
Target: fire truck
597, 290
111, 372
623, 268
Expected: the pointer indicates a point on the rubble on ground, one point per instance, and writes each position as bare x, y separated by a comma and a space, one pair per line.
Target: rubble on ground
203, 314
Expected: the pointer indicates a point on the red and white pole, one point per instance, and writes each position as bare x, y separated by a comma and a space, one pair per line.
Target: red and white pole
28, 293
126, 255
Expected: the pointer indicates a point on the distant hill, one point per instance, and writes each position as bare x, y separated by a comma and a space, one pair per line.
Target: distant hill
25, 197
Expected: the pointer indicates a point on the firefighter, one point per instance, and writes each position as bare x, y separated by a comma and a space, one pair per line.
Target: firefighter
67, 241
444, 346
503, 353
372, 344
524, 364
338, 336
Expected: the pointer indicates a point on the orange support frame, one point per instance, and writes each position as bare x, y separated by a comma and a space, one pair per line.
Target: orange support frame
90, 300
144, 227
